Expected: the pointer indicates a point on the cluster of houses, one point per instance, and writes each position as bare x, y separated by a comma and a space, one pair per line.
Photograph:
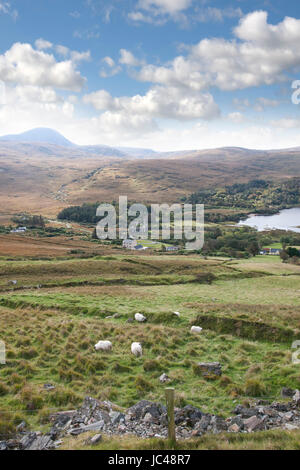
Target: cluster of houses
270, 251
130, 244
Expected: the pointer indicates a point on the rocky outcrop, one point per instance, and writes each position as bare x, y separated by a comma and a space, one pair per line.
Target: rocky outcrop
148, 419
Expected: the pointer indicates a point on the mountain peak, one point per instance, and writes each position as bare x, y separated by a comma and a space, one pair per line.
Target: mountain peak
39, 135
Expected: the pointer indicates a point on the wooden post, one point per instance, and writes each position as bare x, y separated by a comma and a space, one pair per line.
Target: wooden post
170, 397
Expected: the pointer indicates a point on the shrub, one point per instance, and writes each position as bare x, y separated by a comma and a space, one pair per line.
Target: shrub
254, 388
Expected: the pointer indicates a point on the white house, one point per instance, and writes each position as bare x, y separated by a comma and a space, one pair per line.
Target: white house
129, 244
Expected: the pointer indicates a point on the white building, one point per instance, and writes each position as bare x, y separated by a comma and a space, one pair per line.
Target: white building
129, 244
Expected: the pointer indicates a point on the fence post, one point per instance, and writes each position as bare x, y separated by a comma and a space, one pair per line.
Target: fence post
170, 397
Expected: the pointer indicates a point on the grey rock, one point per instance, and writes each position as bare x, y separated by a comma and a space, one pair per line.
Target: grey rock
3, 445
253, 424
95, 439
140, 409
245, 412
42, 443
116, 417
98, 426
218, 424
189, 415
21, 427
210, 368
296, 397
287, 392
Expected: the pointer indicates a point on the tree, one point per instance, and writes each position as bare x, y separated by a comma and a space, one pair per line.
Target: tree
253, 248
284, 256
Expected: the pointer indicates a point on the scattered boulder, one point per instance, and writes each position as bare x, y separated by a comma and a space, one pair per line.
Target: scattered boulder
94, 440
296, 397
253, 424
287, 392
210, 368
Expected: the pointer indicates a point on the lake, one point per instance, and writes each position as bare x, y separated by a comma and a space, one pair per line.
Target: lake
288, 219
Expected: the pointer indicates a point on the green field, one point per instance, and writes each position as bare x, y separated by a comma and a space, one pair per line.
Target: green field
50, 321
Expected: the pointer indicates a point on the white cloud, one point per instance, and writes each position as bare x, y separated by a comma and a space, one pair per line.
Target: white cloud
41, 44
164, 6
262, 56
6, 9
204, 15
286, 123
111, 68
159, 102
22, 64
127, 58
159, 11
236, 117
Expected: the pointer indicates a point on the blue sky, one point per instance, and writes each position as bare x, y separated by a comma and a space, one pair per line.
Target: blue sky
165, 74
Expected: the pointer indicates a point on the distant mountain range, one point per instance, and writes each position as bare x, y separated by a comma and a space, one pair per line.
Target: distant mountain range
48, 142
42, 137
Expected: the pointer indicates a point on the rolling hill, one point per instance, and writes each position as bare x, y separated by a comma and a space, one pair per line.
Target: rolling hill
44, 177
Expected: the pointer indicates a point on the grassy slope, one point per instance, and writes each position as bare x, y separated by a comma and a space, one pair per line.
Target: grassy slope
50, 333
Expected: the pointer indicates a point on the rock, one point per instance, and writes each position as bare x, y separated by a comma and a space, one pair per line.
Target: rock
210, 368
42, 443
290, 427
296, 397
21, 427
130, 320
148, 418
218, 424
94, 440
164, 379
36, 441
189, 415
253, 424
287, 392
245, 412
202, 425
3, 445
234, 428
238, 421
140, 409
116, 417
98, 426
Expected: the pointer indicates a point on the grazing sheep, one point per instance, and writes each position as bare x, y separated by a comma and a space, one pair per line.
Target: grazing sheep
177, 314
136, 349
103, 346
140, 318
196, 329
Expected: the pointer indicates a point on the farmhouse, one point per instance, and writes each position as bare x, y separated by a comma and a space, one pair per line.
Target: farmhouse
129, 244
172, 248
270, 251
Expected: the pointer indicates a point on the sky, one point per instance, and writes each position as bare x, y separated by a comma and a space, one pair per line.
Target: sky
162, 74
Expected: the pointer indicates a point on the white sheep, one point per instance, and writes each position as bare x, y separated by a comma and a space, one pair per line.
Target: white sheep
196, 329
136, 349
103, 346
140, 318
177, 314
